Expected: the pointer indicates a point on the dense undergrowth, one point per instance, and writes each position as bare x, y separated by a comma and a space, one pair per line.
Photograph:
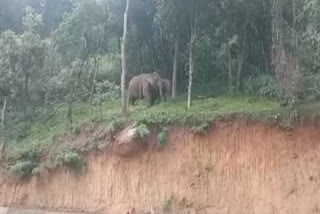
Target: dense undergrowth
44, 136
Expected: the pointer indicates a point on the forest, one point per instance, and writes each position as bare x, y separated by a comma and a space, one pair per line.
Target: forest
62, 61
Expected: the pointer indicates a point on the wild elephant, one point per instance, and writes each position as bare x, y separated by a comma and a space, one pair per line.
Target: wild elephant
166, 89
143, 86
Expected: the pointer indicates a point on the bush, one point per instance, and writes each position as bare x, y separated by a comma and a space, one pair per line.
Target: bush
312, 87
163, 137
167, 204
20, 131
26, 162
143, 130
69, 158
261, 86
23, 168
107, 91
201, 129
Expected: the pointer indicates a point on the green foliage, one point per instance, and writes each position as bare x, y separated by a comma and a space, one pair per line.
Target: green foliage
262, 86
312, 87
202, 128
107, 90
163, 137
76, 130
20, 131
288, 119
113, 126
32, 21
23, 168
25, 164
142, 130
167, 204
70, 158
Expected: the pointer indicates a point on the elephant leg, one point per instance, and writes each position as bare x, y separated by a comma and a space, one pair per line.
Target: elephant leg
149, 100
147, 95
132, 100
165, 98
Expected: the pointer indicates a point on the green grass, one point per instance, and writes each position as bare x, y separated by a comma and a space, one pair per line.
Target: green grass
43, 133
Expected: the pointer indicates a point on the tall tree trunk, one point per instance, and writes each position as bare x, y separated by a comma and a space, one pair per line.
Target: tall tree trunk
119, 48
69, 113
3, 112
191, 67
70, 98
3, 149
294, 32
153, 57
96, 67
140, 56
230, 86
124, 58
241, 60
175, 65
3, 132
26, 93
191, 54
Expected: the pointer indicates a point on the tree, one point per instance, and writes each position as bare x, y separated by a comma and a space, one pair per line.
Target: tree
195, 8
168, 20
124, 57
193, 35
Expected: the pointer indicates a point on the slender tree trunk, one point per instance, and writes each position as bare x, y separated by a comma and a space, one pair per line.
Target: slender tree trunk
3, 149
3, 112
70, 98
296, 53
26, 85
191, 67
150, 45
96, 67
70, 102
140, 56
230, 87
3, 132
124, 58
119, 48
241, 61
69, 113
191, 55
175, 65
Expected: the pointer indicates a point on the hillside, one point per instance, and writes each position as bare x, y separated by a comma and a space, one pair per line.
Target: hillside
43, 131
51, 141
235, 167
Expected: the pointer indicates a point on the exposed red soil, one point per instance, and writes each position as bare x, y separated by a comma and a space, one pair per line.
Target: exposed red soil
237, 168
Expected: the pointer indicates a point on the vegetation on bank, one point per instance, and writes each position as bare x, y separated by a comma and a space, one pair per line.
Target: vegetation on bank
26, 147
48, 127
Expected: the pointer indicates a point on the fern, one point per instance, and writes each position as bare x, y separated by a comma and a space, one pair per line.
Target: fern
143, 130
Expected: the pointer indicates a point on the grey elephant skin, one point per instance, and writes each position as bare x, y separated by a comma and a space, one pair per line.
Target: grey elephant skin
166, 89
145, 86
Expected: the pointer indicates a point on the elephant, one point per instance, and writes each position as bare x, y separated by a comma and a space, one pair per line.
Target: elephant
144, 86
166, 89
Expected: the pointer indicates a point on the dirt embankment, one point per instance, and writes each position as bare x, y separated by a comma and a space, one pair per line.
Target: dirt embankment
237, 168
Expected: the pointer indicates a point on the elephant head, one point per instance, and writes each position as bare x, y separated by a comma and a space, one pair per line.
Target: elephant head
154, 79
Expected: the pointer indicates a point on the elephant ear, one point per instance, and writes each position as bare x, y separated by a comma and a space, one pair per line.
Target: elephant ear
150, 80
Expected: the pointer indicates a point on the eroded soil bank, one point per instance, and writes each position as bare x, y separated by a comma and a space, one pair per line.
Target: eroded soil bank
237, 168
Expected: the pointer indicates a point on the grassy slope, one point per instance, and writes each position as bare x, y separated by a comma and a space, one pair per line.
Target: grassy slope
43, 132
